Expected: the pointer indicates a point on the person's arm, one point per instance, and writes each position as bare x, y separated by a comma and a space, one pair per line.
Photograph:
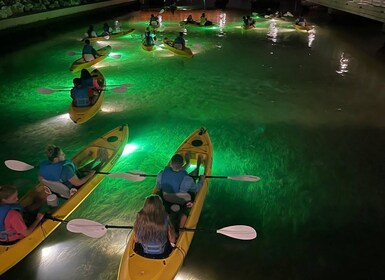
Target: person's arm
158, 182
18, 224
76, 181
171, 234
188, 184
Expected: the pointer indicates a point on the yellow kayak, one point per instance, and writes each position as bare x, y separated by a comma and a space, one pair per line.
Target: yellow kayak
80, 63
148, 47
169, 45
80, 115
302, 28
113, 142
109, 37
133, 266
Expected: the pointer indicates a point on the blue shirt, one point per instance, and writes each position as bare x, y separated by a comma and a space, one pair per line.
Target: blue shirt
187, 183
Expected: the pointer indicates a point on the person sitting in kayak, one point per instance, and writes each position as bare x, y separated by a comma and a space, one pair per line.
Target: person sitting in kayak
107, 30
175, 179
91, 32
154, 234
88, 52
12, 225
203, 20
179, 42
301, 21
190, 19
82, 96
250, 21
58, 169
154, 21
149, 38
88, 81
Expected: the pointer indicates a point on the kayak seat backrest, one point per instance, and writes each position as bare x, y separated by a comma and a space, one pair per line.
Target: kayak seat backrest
177, 198
57, 188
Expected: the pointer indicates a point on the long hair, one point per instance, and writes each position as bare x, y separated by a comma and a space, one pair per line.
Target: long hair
151, 223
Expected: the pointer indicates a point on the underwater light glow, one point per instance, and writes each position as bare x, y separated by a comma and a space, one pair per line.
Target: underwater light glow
129, 148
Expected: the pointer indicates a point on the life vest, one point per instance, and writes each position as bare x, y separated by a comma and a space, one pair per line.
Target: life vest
153, 247
80, 96
88, 49
4, 209
171, 180
52, 171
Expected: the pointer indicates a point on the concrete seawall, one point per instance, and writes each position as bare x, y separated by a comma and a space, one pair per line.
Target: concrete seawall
44, 16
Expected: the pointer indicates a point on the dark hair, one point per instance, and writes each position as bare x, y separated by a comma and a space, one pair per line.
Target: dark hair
52, 150
87, 41
180, 33
85, 74
6, 191
77, 81
177, 160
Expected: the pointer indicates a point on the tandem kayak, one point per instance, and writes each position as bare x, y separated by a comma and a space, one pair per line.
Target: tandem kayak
109, 37
80, 63
169, 45
113, 144
80, 115
134, 266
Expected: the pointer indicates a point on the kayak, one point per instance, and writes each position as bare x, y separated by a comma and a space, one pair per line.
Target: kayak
302, 28
133, 266
80, 63
113, 144
169, 45
109, 37
148, 47
80, 115
248, 27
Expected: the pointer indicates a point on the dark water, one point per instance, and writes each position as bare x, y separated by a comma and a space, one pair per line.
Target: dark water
305, 112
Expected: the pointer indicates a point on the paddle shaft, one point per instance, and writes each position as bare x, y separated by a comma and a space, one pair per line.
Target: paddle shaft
209, 176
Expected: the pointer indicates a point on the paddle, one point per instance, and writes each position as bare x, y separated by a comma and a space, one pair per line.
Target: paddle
140, 176
96, 230
17, 165
69, 87
119, 89
71, 53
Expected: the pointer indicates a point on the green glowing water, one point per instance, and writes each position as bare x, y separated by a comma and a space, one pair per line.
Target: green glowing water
307, 120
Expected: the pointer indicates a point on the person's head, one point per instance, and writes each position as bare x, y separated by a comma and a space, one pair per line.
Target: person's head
8, 194
181, 34
77, 81
91, 27
203, 15
105, 24
152, 15
85, 74
151, 220
177, 161
54, 153
87, 42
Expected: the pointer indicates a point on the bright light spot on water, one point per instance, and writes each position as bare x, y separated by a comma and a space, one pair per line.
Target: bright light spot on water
46, 252
273, 31
129, 148
344, 64
311, 37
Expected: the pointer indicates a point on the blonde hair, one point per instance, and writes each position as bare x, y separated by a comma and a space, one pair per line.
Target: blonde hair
52, 151
152, 223
6, 191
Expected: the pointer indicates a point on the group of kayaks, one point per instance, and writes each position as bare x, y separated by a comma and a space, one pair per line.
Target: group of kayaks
113, 144
132, 265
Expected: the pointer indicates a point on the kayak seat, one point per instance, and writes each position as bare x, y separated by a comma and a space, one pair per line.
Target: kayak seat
176, 199
57, 188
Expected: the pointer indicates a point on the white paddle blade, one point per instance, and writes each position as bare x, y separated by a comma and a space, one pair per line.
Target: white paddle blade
18, 165
161, 11
127, 175
45, 90
248, 178
87, 227
120, 89
241, 232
